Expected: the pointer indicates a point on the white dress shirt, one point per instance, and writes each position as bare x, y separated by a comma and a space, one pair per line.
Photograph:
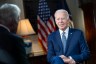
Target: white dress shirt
65, 32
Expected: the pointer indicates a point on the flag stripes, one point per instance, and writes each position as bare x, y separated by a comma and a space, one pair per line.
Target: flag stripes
45, 22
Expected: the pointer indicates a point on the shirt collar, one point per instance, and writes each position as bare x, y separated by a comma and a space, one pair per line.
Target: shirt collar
66, 31
5, 27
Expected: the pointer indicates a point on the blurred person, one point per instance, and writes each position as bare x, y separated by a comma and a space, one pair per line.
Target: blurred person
11, 46
66, 45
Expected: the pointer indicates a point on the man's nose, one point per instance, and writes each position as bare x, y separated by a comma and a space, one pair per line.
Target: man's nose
61, 20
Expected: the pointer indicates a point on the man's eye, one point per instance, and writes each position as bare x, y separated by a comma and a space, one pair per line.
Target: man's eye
63, 18
58, 19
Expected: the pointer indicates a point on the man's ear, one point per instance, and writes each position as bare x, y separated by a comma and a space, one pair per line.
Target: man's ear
17, 19
12, 25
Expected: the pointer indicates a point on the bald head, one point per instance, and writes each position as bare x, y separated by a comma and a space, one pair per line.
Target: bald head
61, 11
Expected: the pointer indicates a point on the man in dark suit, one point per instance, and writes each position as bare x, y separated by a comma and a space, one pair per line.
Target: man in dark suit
66, 45
11, 46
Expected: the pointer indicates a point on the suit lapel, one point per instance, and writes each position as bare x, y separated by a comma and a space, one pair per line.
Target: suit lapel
58, 40
68, 40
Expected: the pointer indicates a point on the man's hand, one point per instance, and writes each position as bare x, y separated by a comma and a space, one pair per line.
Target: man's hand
71, 61
67, 59
62, 56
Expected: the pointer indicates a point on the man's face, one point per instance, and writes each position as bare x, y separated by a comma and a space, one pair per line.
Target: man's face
61, 20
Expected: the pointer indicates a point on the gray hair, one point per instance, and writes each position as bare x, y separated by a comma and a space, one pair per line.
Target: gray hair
9, 11
62, 11
9, 16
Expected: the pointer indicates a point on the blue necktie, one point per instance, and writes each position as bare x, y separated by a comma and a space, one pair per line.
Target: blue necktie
64, 41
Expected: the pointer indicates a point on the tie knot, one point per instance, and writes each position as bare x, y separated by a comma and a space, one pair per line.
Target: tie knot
63, 33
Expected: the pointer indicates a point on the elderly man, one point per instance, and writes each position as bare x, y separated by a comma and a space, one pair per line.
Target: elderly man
66, 45
11, 46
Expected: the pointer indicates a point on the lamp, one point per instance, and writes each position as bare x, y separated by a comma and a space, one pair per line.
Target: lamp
25, 29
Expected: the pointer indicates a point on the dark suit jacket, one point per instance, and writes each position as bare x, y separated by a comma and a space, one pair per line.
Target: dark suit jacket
76, 46
11, 48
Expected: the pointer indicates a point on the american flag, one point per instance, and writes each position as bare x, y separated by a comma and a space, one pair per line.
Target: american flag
46, 23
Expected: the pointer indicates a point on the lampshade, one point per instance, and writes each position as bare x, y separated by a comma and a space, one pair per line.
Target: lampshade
24, 28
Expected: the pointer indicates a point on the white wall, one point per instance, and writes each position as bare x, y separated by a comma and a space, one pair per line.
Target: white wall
77, 14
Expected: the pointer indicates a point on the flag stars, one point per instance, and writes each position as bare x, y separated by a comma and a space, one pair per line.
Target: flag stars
40, 4
41, 0
43, 17
44, 11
